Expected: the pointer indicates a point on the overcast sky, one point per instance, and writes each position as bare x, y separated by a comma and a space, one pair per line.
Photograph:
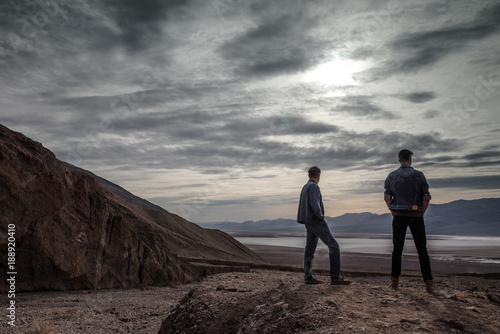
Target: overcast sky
215, 109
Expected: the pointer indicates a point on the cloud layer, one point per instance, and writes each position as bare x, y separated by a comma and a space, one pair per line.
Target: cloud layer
127, 87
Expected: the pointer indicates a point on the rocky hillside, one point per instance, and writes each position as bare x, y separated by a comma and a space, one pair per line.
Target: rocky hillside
73, 233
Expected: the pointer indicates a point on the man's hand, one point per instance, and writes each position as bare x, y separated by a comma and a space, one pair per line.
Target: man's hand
388, 203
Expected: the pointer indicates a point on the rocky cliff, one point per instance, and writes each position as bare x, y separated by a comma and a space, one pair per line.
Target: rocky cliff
73, 233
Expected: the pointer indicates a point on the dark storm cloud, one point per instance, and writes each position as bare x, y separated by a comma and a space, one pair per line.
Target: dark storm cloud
482, 155
222, 126
285, 125
486, 157
279, 45
420, 97
140, 21
86, 105
421, 49
363, 106
467, 182
430, 114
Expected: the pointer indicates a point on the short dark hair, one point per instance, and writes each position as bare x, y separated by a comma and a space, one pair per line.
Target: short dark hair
404, 155
314, 172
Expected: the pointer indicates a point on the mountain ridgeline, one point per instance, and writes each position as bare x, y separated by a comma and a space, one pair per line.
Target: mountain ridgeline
479, 217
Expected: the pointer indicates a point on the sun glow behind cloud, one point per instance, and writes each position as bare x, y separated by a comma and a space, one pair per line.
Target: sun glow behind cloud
336, 72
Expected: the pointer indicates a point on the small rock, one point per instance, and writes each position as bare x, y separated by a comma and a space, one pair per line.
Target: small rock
474, 309
494, 297
330, 303
387, 300
382, 324
452, 324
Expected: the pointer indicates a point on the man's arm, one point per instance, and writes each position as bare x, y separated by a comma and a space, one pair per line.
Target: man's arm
388, 202
387, 193
315, 202
426, 195
425, 205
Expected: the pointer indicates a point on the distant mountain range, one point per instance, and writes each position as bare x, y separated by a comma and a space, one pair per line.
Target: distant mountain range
479, 217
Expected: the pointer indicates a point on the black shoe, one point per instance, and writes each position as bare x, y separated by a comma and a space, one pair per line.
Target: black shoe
339, 281
313, 281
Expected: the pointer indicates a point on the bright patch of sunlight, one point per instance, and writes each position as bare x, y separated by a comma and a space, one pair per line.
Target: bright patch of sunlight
336, 72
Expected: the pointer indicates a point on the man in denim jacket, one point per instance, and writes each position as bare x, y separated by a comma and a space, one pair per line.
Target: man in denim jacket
312, 214
407, 196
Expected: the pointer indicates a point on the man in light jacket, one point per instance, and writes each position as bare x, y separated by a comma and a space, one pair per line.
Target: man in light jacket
311, 213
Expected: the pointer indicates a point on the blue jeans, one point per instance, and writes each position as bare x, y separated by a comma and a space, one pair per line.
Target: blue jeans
321, 231
416, 224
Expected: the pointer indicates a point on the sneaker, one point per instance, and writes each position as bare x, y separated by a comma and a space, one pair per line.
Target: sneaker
313, 281
339, 281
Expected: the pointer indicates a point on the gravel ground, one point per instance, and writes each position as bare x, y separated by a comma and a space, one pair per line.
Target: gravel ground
268, 301
102, 311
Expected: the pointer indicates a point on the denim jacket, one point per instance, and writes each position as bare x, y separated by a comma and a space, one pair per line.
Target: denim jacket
406, 188
311, 208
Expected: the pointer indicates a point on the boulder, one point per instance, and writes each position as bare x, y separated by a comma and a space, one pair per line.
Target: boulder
494, 297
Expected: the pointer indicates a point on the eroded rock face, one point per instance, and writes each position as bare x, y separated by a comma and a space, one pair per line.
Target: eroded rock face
71, 233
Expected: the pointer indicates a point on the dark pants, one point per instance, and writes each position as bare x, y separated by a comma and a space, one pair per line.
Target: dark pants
417, 228
315, 232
